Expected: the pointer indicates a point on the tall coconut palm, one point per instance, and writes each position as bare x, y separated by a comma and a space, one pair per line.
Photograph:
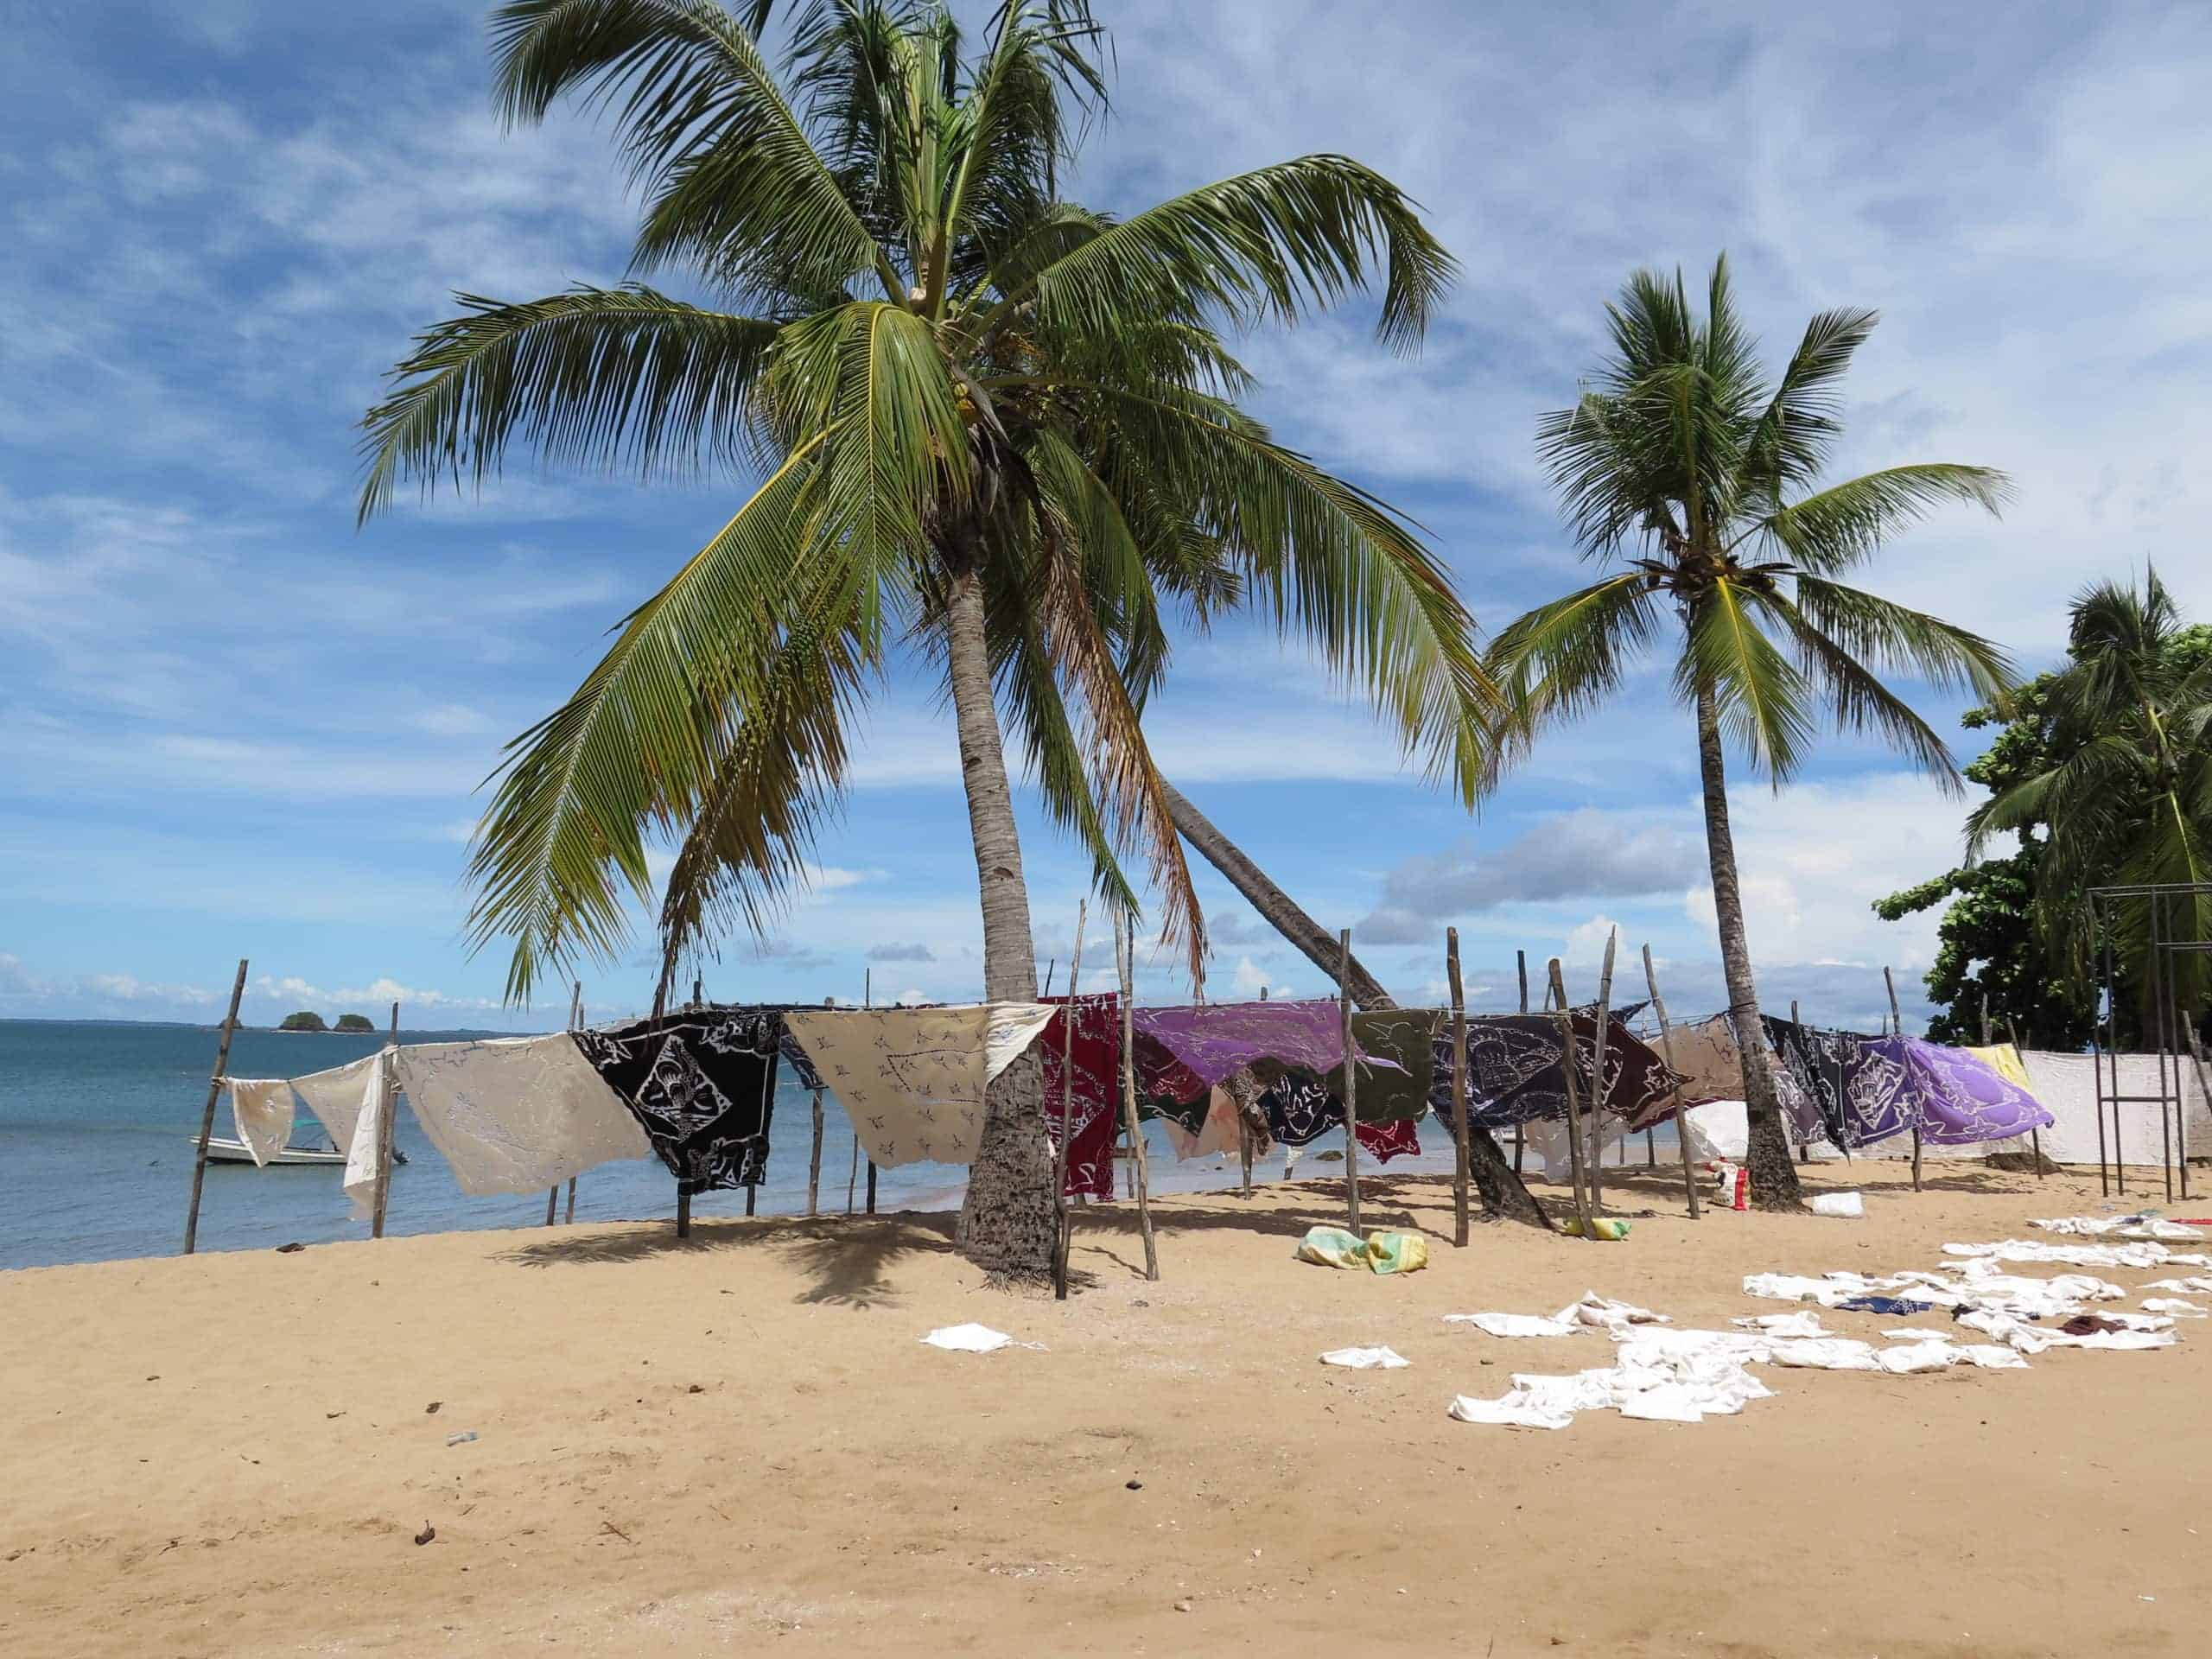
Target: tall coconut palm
1681, 454
2128, 803
987, 426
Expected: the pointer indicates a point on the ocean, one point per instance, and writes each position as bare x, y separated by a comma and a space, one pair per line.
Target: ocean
97, 1122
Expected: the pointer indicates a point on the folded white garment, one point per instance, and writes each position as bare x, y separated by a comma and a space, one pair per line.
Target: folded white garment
1784, 1325
1515, 1324
2142, 1224
335, 1097
1916, 1333
2073, 1256
2035, 1339
1366, 1359
262, 1110
2174, 1305
516, 1114
972, 1338
1509, 1411
1825, 1354
2196, 1283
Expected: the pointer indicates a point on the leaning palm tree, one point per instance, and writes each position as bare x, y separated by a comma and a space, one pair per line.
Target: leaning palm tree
986, 428
2128, 800
1682, 454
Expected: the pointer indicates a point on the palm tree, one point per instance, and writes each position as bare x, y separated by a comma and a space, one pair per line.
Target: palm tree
989, 428
1683, 454
2127, 802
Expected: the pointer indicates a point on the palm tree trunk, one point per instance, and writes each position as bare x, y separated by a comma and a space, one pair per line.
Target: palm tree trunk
1502, 1191
1007, 1224
1773, 1178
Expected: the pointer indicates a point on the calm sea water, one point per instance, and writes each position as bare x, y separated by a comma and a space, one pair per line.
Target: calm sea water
96, 1122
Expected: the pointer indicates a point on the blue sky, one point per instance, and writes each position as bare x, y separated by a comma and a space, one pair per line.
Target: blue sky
232, 725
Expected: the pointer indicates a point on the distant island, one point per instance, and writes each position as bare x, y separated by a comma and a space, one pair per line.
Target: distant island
308, 1019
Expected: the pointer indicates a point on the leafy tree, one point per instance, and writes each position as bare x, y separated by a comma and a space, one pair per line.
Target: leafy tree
988, 424
1684, 453
2121, 790
303, 1021
354, 1022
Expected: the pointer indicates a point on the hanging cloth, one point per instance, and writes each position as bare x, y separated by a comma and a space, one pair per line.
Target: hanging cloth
912, 1080
1217, 1039
262, 1110
1861, 1092
1961, 1099
1398, 1092
702, 1084
516, 1114
1096, 1090
349, 1101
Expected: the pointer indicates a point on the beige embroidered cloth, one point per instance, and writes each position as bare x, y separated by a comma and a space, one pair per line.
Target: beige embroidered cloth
516, 1114
262, 1110
912, 1079
350, 1101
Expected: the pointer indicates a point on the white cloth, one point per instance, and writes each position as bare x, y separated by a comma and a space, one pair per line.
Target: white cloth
912, 1080
2196, 1283
1220, 1131
1593, 1312
1678, 1377
1366, 1359
2072, 1255
2066, 1086
1784, 1325
2035, 1339
1547, 1138
972, 1338
2144, 1223
335, 1098
516, 1114
1717, 1131
2174, 1305
262, 1110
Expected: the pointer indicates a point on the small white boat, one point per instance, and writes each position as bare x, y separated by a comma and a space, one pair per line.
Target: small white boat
221, 1150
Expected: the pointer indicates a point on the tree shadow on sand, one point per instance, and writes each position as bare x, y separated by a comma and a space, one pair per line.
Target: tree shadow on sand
845, 1255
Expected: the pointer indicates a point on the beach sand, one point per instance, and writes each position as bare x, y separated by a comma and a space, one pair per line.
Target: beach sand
738, 1443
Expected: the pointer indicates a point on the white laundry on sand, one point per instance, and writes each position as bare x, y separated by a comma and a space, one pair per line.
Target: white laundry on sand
2151, 1332
972, 1338
2173, 1306
2144, 1223
2075, 1256
1593, 1312
1784, 1325
1366, 1359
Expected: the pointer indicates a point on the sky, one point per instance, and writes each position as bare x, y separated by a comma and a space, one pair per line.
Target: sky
233, 725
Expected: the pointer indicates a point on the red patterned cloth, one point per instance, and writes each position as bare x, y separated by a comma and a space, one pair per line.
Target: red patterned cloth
1097, 1095
1384, 1142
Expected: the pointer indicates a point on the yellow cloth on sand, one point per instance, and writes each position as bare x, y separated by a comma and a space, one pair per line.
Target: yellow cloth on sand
1383, 1251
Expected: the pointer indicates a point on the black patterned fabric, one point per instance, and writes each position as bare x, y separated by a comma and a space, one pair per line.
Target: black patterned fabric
1300, 1110
1514, 1075
1861, 1094
703, 1083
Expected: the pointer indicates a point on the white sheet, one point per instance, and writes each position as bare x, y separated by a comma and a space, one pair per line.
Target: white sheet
262, 1110
1366, 1359
516, 1114
912, 1080
2072, 1255
349, 1103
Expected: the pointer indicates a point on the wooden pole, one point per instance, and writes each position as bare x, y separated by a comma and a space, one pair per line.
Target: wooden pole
1520, 967
871, 1186
1459, 1087
1667, 1047
853, 1175
1351, 1082
1065, 1238
813, 1163
1804, 1151
1896, 1029
384, 1141
208, 1116
682, 1210
1125, 953
2035, 1136
576, 1023
1573, 1105
1598, 1090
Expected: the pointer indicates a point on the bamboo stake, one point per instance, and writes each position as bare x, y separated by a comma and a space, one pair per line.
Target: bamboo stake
1598, 1090
1125, 953
1896, 1029
1667, 1047
853, 1175
1573, 1105
1459, 1087
383, 1140
1065, 1238
207, 1116
867, 1000
1352, 1081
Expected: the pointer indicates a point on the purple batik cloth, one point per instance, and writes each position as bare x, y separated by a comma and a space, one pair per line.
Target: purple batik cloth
1962, 1100
1214, 1041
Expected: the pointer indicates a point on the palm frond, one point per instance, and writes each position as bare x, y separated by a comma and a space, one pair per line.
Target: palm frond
601, 377
1844, 525
1275, 242
1859, 700
1562, 659
1764, 702
1900, 639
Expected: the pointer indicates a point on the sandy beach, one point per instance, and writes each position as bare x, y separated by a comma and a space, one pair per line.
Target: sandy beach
739, 1442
